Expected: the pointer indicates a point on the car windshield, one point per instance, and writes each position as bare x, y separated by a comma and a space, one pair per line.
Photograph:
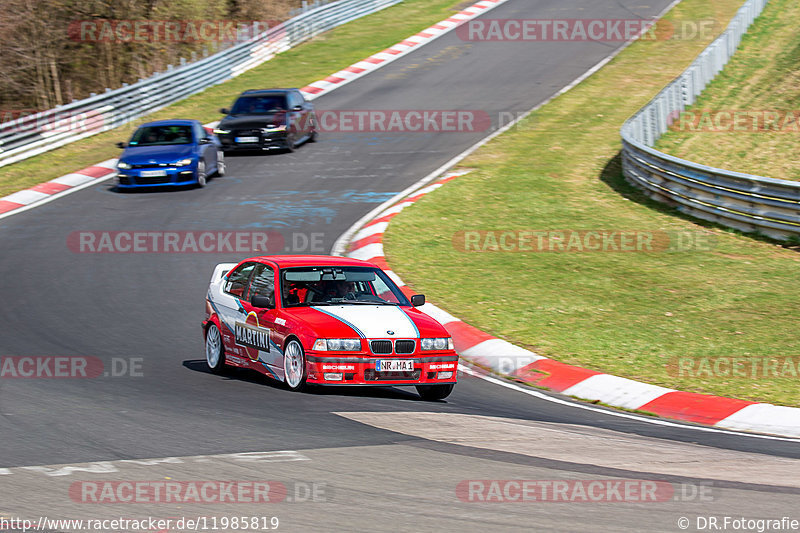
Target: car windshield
309, 286
161, 135
259, 105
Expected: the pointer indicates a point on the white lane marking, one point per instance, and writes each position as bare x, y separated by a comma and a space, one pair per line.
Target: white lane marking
106, 467
103, 467
609, 412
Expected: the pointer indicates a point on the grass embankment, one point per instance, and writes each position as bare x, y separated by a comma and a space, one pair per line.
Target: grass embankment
327, 53
762, 83
626, 313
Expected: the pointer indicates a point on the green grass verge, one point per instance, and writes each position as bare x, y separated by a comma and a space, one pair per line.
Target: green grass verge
629, 314
324, 55
763, 76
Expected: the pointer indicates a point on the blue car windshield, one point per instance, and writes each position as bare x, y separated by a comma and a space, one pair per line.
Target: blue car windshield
259, 105
161, 135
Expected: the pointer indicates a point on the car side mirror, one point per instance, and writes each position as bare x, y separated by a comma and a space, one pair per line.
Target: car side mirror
418, 300
224, 111
297, 108
260, 301
121, 145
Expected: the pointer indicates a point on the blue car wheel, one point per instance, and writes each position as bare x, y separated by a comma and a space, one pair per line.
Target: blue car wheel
202, 177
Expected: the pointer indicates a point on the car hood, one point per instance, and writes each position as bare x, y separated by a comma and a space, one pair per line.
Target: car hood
369, 321
136, 155
252, 121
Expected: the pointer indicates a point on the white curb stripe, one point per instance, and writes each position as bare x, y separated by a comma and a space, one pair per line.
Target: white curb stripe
369, 231
26, 197
368, 252
72, 180
765, 417
617, 391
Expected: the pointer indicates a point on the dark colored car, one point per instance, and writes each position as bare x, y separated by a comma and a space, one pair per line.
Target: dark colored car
169, 152
268, 119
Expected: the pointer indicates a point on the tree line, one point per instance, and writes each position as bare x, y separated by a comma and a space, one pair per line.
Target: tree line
56, 51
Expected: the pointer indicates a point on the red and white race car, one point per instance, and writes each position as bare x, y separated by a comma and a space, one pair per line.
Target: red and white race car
327, 321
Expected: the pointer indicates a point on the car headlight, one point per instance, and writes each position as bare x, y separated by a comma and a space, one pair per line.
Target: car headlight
218, 131
337, 345
183, 162
123, 165
436, 343
271, 128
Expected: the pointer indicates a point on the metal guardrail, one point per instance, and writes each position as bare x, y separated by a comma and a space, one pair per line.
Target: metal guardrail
41, 132
742, 201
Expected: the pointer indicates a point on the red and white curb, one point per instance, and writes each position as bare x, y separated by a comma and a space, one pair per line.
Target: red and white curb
50, 190
44, 192
406, 46
507, 359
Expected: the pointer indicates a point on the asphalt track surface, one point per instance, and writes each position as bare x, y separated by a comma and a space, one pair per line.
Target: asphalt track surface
149, 306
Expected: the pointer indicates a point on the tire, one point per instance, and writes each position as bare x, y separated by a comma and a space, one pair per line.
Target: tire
435, 392
202, 176
221, 168
291, 144
215, 353
314, 137
294, 365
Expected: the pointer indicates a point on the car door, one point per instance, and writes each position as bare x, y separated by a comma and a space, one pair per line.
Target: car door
230, 307
300, 117
207, 151
256, 333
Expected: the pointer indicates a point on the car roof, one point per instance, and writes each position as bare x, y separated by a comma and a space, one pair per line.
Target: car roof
288, 261
171, 122
256, 92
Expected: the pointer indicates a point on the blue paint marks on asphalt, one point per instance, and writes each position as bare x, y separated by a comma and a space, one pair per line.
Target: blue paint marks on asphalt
290, 208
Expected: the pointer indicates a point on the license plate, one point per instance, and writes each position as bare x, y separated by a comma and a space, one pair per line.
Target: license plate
394, 365
246, 139
152, 173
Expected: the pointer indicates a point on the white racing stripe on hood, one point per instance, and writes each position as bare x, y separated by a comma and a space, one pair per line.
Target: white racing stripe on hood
374, 320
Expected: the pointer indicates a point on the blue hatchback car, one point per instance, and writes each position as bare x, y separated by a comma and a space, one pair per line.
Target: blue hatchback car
169, 153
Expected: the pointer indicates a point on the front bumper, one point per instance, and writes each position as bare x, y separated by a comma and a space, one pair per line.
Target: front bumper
361, 370
264, 141
173, 176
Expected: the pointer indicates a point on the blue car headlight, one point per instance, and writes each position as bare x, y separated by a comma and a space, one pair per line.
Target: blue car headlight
183, 163
123, 165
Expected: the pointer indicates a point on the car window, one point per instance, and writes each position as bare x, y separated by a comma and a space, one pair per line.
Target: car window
237, 280
161, 135
262, 282
199, 132
259, 105
342, 286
